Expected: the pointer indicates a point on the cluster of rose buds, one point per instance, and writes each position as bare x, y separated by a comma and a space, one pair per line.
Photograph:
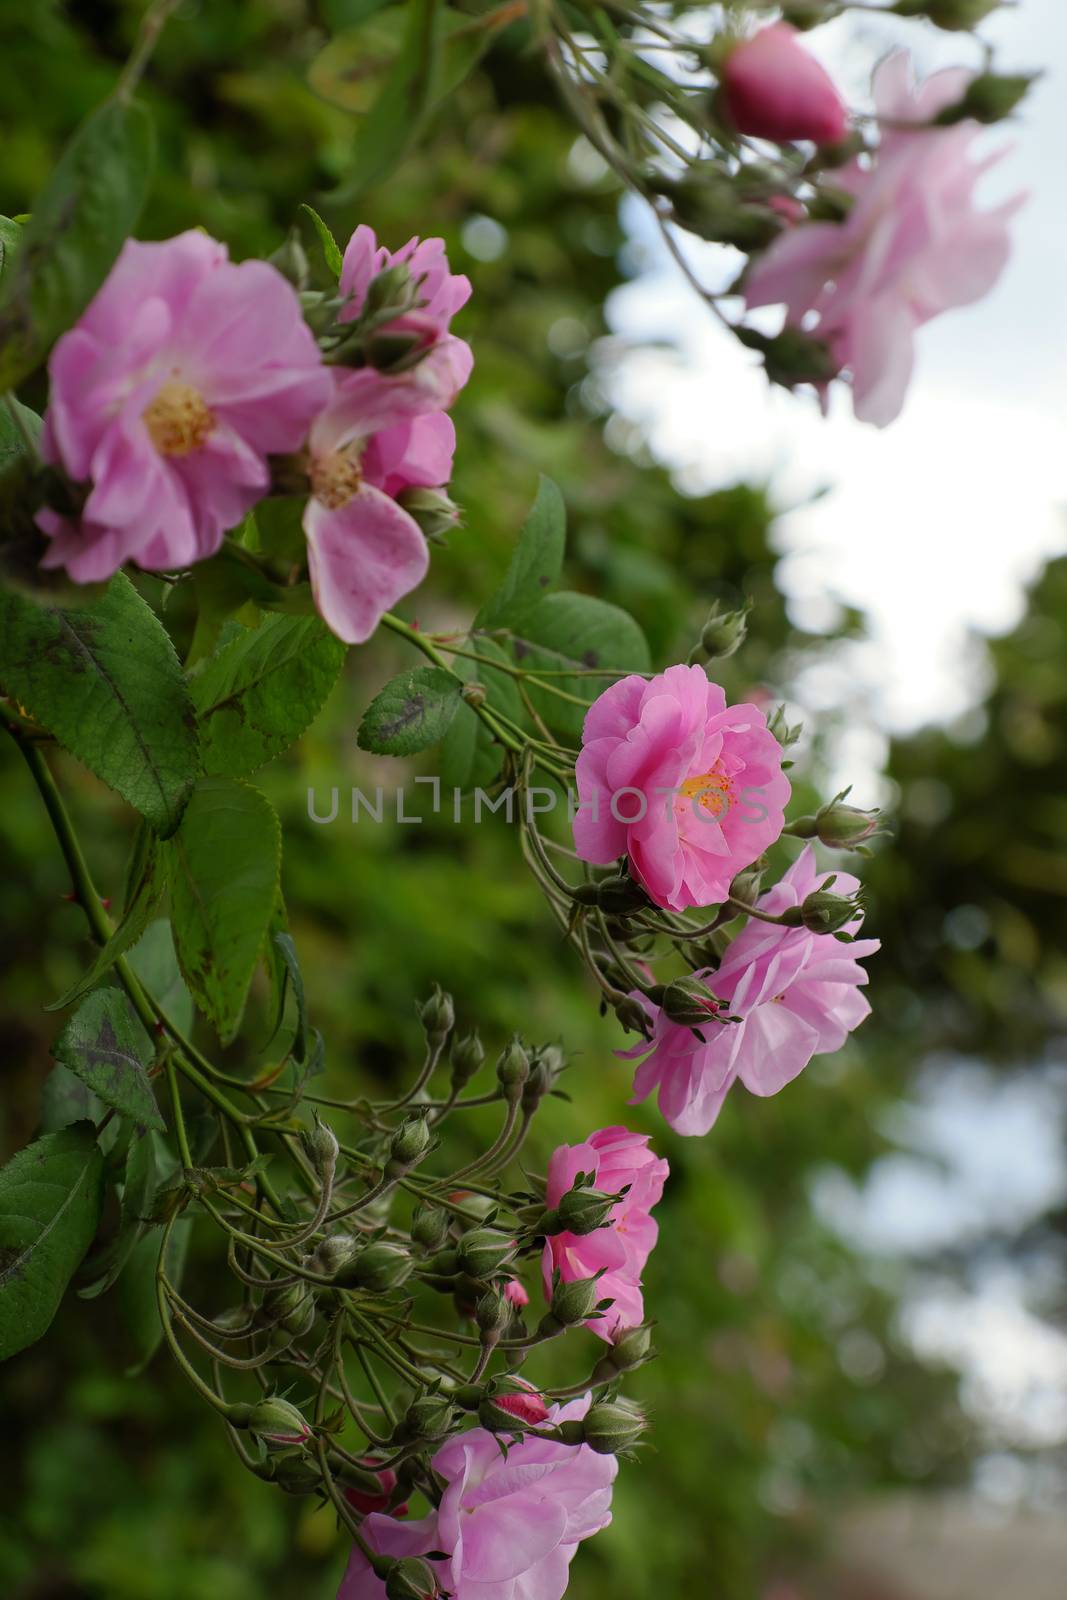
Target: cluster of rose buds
861, 228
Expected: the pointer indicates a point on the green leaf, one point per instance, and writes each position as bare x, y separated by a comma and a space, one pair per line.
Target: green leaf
411, 712
88, 209
155, 961
10, 238
51, 1196
142, 1176
292, 983
535, 565
262, 689
330, 248
105, 1046
223, 866
579, 631
144, 891
106, 682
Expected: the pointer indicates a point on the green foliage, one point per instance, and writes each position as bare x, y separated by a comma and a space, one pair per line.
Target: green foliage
223, 866
260, 691
79, 224
411, 713
535, 566
105, 681
50, 1200
581, 632
105, 1045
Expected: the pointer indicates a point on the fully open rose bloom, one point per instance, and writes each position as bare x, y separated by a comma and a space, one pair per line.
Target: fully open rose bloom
797, 994
774, 89
183, 374
690, 789
617, 1158
914, 244
508, 1525
364, 550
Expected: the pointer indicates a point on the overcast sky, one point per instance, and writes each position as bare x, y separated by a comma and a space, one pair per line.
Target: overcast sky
933, 525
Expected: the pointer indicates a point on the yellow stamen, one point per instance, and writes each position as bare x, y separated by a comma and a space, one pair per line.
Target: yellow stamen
335, 478
710, 790
178, 419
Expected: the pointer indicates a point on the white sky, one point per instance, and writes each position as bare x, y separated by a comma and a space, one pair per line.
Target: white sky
933, 525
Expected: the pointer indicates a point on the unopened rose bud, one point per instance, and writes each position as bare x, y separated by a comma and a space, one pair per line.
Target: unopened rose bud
792, 356
782, 731
277, 1422
632, 1015
620, 895
290, 259
746, 886
392, 289
954, 16
482, 1253
513, 1069
515, 1294
434, 511
334, 1254
772, 88
394, 350
823, 912
492, 1315
429, 1229
320, 310
990, 97
428, 1418
690, 1003
708, 203
612, 1427
377, 1268
842, 827
579, 1211
571, 1304
410, 1142
805, 14
322, 1149
630, 1348
511, 1405
467, 1058
724, 632
292, 1308
296, 1474
411, 1578
367, 1491
438, 1016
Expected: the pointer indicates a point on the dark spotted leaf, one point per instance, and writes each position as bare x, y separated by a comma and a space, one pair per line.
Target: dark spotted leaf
412, 712
105, 1046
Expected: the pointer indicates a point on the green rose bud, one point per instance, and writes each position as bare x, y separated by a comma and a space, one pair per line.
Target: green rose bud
334, 1254
612, 1427
427, 1418
429, 1230
990, 97
513, 1069
438, 1016
320, 1145
377, 1268
580, 1211
630, 1348
689, 1002
290, 259
434, 511
467, 1058
955, 16
408, 1145
724, 632
277, 1422
571, 1304
296, 1474
411, 1579
823, 912
483, 1252
792, 356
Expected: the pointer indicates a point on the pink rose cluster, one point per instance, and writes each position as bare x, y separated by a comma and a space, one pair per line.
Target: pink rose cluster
913, 242
617, 1160
188, 372
796, 993
508, 1525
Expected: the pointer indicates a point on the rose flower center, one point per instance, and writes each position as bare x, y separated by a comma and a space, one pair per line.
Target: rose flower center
711, 790
335, 478
178, 420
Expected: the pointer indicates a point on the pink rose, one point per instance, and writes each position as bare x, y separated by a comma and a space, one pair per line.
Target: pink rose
690, 789
515, 1293
618, 1159
773, 89
364, 550
184, 373
913, 244
447, 361
797, 994
508, 1526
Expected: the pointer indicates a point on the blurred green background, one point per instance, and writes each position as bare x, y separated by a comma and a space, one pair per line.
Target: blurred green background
785, 1388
